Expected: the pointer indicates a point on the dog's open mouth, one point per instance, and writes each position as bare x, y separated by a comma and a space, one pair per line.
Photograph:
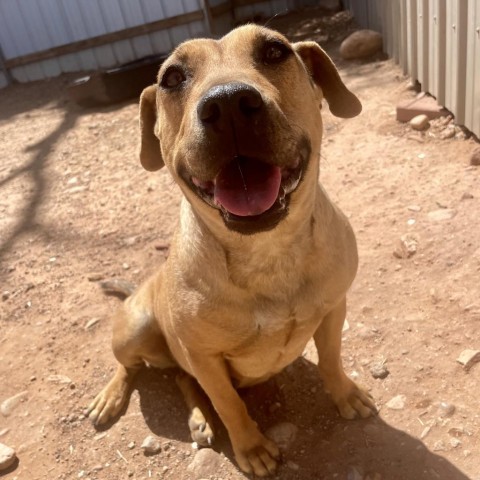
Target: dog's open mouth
251, 195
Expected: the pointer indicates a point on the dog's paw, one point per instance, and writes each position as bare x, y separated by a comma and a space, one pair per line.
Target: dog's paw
259, 458
353, 402
200, 428
108, 403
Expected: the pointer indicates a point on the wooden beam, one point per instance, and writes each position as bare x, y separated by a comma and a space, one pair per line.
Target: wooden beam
105, 39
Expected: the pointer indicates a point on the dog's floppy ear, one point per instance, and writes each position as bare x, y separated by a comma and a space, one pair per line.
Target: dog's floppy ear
342, 102
150, 154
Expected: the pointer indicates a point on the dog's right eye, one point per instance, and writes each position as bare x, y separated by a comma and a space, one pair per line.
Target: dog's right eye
173, 77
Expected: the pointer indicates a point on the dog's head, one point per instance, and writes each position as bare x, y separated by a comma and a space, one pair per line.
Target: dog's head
237, 122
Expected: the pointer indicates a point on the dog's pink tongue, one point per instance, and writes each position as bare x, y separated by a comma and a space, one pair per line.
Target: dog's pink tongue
247, 187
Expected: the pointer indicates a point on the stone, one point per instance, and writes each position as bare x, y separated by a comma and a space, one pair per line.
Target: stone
11, 403
7, 457
206, 463
91, 323
420, 122
441, 214
446, 409
406, 246
95, 277
475, 157
283, 434
449, 132
151, 445
379, 370
468, 358
361, 44
397, 403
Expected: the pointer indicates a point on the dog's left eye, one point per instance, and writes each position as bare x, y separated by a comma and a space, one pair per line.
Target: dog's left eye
275, 52
173, 77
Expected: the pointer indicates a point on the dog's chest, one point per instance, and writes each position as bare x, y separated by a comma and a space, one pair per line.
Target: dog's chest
276, 336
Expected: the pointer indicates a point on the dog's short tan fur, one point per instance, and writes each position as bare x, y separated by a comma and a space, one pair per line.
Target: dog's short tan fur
233, 309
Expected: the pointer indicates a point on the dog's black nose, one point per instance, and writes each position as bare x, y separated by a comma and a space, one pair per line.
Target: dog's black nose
231, 102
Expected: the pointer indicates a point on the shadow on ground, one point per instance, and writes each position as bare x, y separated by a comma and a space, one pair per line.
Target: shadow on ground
326, 446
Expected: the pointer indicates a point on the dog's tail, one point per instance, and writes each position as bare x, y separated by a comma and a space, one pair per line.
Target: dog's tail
118, 287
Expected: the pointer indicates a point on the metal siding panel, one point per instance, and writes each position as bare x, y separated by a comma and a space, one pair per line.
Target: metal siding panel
161, 41
403, 35
436, 61
19, 74
13, 32
423, 44
472, 101
412, 49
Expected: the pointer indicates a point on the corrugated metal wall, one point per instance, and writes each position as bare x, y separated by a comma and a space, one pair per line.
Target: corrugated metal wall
437, 42
30, 26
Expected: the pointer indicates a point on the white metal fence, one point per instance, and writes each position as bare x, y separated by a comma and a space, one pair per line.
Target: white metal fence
44, 38
437, 42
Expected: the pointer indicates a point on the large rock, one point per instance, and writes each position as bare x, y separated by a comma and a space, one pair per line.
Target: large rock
206, 463
361, 44
7, 457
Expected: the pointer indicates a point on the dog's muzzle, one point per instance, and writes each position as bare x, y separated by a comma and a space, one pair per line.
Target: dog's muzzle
251, 193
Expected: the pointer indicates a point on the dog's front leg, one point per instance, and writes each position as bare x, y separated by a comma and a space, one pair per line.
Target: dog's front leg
253, 451
350, 399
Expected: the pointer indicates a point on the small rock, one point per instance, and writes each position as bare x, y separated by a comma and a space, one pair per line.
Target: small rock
162, 246
354, 474
425, 432
59, 379
420, 122
5, 295
292, 466
439, 446
206, 463
151, 445
446, 409
361, 44
467, 196
475, 157
455, 442
406, 247
456, 431
283, 434
441, 214
125, 266
449, 132
95, 277
4, 431
131, 445
468, 358
414, 208
91, 323
7, 457
379, 370
11, 403
397, 403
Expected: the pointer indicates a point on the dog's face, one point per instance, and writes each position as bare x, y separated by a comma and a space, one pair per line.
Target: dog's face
237, 122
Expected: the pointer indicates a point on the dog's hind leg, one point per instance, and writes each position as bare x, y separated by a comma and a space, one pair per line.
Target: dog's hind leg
137, 340
200, 419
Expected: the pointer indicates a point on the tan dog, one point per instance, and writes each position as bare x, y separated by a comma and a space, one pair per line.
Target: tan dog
261, 260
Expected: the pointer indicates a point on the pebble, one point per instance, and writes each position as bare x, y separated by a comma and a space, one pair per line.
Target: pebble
92, 322
414, 208
379, 370
475, 157
206, 463
4, 431
292, 466
95, 277
397, 403
11, 403
151, 445
455, 442
406, 246
468, 358
420, 122
439, 446
449, 132
131, 445
441, 214
467, 196
446, 409
7, 457
361, 44
283, 434
5, 295
59, 379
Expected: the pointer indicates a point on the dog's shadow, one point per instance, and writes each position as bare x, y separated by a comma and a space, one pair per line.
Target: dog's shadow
326, 446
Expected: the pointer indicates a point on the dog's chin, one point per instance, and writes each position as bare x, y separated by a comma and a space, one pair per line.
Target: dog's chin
285, 182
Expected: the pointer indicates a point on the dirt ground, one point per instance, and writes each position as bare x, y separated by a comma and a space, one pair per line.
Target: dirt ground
76, 206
